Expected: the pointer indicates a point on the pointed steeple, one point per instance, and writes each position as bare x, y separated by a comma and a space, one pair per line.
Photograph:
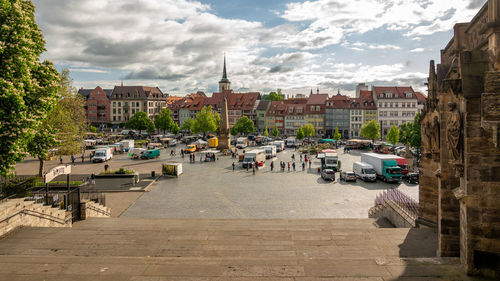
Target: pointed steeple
224, 73
224, 83
311, 91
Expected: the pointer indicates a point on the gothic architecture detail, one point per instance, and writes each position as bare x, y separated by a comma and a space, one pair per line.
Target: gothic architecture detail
460, 139
224, 83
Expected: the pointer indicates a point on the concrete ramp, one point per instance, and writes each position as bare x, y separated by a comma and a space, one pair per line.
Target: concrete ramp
232, 249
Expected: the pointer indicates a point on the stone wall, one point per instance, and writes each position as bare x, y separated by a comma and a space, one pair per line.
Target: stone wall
91, 209
17, 213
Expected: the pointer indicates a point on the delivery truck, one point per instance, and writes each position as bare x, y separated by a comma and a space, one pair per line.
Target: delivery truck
385, 166
102, 154
241, 143
270, 151
127, 145
252, 156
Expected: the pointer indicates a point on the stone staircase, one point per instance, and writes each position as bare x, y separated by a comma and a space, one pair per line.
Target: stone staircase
224, 249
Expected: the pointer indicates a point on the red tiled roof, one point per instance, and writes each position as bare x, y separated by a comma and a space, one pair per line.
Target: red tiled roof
291, 108
317, 99
141, 91
398, 92
338, 101
421, 98
276, 108
366, 100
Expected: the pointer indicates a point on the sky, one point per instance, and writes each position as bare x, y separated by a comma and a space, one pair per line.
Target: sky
296, 46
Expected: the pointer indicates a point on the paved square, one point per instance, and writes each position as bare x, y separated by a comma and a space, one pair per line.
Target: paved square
213, 190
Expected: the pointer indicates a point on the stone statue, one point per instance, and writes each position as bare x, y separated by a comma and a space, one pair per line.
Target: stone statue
427, 144
453, 133
435, 139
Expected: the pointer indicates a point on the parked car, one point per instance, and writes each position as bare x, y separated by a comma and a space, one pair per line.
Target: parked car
411, 178
328, 174
190, 148
347, 176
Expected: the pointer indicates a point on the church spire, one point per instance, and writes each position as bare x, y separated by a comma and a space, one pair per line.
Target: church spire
224, 74
224, 83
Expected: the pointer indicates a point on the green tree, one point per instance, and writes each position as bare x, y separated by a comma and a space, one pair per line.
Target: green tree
276, 132
244, 125
405, 133
187, 125
416, 133
266, 133
308, 130
371, 130
393, 135
28, 87
273, 96
336, 135
234, 130
164, 120
92, 129
64, 127
140, 121
300, 134
175, 129
205, 121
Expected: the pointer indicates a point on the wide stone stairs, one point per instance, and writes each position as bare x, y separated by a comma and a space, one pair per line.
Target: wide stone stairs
225, 249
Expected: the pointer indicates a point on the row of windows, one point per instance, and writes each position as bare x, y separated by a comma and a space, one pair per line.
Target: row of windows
397, 104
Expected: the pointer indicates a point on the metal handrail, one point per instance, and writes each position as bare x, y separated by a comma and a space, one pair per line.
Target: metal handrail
402, 200
98, 210
37, 214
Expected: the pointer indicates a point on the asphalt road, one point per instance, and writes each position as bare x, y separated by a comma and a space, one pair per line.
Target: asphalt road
213, 190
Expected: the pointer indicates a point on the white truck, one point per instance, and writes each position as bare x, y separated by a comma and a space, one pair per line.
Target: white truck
241, 142
364, 171
330, 160
280, 145
102, 154
127, 145
252, 156
385, 166
270, 151
291, 142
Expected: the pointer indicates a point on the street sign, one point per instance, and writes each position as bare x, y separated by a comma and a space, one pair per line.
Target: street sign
54, 172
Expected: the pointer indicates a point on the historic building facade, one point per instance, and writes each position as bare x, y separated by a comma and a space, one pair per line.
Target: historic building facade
337, 115
460, 165
128, 100
97, 105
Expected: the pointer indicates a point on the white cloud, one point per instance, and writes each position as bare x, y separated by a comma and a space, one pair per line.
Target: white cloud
417, 50
89, 70
384, 47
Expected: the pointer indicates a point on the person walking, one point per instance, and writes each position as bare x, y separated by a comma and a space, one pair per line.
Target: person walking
234, 165
92, 179
248, 166
301, 158
293, 156
90, 156
293, 166
272, 166
72, 159
310, 164
253, 170
289, 166
303, 166
83, 157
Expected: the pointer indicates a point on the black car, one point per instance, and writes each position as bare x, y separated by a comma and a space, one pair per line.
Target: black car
411, 178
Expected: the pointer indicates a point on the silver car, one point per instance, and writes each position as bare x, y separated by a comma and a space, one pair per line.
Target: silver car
347, 176
328, 174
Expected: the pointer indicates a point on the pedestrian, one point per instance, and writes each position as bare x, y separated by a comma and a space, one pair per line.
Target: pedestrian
248, 166
256, 165
305, 157
301, 158
73, 159
303, 166
289, 166
106, 167
253, 170
272, 166
90, 156
60, 159
234, 165
293, 156
92, 179
201, 157
293, 166
83, 157
310, 164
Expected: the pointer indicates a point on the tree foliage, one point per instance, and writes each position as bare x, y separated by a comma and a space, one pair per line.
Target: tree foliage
187, 125
273, 96
175, 129
410, 133
244, 125
164, 120
371, 130
140, 121
393, 135
276, 132
92, 129
300, 134
308, 130
266, 133
206, 121
337, 135
28, 87
234, 131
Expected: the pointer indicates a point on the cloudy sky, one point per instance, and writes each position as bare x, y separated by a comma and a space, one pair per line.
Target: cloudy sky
178, 45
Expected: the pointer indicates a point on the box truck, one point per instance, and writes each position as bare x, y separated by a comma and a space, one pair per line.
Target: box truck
127, 145
280, 145
102, 154
241, 142
270, 151
385, 166
252, 156
364, 171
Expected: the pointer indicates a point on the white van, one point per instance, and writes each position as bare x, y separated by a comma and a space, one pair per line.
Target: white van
280, 145
256, 155
102, 155
270, 151
241, 143
364, 171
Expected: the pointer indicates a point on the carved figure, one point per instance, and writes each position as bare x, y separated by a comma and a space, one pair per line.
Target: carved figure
453, 132
427, 144
435, 139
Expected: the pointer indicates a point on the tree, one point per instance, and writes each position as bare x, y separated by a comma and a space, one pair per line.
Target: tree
92, 129
205, 121
337, 135
371, 130
416, 133
308, 130
140, 121
266, 133
234, 131
405, 133
187, 125
244, 125
393, 135
164, 120
64, 127
300, 134
28, 86
175, 129
273, 96
276, 132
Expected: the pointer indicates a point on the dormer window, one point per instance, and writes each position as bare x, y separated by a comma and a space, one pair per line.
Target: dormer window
317, 108
408, 95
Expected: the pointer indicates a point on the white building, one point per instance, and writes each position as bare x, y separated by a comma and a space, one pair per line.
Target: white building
125, 101
396, 106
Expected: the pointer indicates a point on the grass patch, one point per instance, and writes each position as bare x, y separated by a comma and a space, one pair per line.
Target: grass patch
121, 171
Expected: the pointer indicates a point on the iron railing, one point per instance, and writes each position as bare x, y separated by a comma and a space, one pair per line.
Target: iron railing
404, 201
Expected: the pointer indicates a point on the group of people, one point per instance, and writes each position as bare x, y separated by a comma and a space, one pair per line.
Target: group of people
292, 165
192, 158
